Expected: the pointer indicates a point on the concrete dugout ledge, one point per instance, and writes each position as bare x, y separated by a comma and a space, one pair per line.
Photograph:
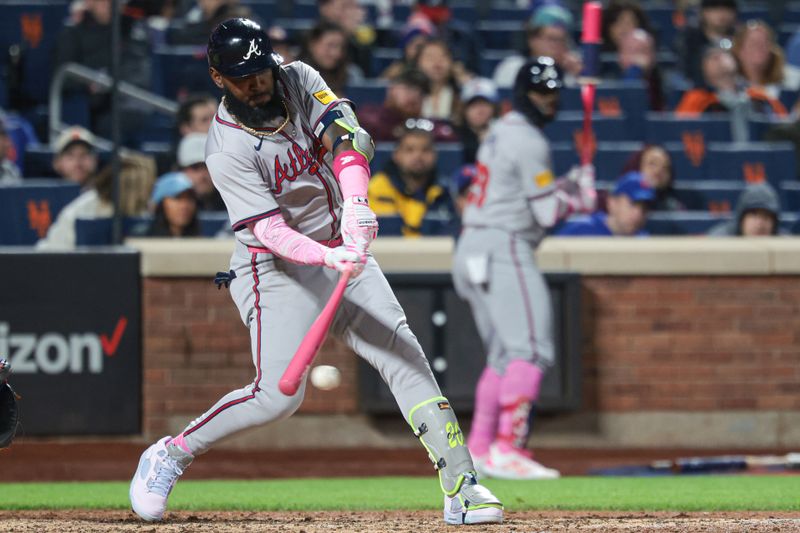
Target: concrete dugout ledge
657, 256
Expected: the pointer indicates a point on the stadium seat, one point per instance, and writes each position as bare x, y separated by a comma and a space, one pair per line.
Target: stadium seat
100, 231
610, 158
752, 162
688, 161
614, 99
569, 125
711, 196
35, 27
212, 222
381, 58
296, 28
564, 157
683, 222
180, 70
662, 19
666, 127
790, 196
503, 35
391, 226
28, 210
39, 161
368, 92
490, 59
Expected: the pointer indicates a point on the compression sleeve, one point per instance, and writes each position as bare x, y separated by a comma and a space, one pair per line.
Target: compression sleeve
352, 170
275, 234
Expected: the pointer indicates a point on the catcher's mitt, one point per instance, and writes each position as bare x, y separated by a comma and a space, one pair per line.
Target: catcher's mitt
9, 412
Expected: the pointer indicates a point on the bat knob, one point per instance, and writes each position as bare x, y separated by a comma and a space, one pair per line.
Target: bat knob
288, 387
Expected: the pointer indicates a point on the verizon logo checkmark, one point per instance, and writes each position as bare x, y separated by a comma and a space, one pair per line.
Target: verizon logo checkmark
110, 345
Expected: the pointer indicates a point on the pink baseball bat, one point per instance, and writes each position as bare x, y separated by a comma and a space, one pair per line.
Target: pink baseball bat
307, 351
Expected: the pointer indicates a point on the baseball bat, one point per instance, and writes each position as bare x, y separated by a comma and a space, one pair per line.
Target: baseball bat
307, 351
590, 41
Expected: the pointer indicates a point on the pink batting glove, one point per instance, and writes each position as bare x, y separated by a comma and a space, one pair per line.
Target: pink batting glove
359, 225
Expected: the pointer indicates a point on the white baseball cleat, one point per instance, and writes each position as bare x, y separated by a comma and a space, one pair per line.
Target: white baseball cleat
513, 464
158, 470
472, 504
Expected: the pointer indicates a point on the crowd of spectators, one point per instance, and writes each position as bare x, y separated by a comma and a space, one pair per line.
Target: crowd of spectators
434, 94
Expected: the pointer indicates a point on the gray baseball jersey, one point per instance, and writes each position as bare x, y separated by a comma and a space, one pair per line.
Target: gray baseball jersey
494, 268
290, 174
514, 166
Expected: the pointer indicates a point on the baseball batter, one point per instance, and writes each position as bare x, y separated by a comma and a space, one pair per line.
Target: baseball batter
292, 165
511, 202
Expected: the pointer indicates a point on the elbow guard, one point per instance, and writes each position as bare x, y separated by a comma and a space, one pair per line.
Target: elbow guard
342, 115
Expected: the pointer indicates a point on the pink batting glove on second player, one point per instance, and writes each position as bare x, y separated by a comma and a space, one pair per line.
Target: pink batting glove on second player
341, 259
359, 223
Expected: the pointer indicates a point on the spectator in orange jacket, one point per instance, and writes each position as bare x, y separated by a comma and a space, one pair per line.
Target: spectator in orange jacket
723, 93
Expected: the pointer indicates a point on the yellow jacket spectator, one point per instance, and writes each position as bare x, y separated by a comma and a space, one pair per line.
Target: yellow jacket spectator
407, 187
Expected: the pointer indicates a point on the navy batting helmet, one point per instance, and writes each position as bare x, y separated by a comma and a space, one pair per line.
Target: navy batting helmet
541, 75
239, 47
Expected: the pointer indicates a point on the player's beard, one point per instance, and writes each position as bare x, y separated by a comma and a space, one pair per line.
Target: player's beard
255, 117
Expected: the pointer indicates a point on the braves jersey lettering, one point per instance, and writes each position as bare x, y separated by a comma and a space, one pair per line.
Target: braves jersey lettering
299, 161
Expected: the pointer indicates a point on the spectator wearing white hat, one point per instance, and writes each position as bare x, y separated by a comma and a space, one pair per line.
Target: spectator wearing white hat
75, 157
479, 98
192, 162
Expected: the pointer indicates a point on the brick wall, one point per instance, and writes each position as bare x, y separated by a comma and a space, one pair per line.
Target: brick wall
691, 343
650, 343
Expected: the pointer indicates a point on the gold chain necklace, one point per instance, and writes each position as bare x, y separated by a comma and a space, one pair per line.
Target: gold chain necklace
255, 132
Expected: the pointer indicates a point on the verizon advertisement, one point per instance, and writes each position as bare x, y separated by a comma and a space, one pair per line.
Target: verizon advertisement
70, 326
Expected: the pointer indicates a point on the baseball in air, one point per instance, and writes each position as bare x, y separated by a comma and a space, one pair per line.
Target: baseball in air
325, 377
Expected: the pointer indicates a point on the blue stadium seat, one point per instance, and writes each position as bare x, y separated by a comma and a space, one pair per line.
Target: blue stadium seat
790, 196
564, 157
614, 99
510, 14
100, 231
752, 162
569, 125
26, 211
661, 17
368, 92
683, 222
687, 164
712, 196
381, 58
39, 161
791, 14
390, 226
296, 28
212, 222
303, 9
490, 59
503, 35
180, 70
35, 26
666, 127
611, 158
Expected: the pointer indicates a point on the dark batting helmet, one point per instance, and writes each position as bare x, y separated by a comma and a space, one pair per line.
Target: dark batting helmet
239, 47
540, 75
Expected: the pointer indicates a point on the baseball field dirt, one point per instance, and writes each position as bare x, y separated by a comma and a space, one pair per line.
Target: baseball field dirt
394, 522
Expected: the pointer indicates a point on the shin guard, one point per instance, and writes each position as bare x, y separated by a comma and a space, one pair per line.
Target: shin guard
435, 424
